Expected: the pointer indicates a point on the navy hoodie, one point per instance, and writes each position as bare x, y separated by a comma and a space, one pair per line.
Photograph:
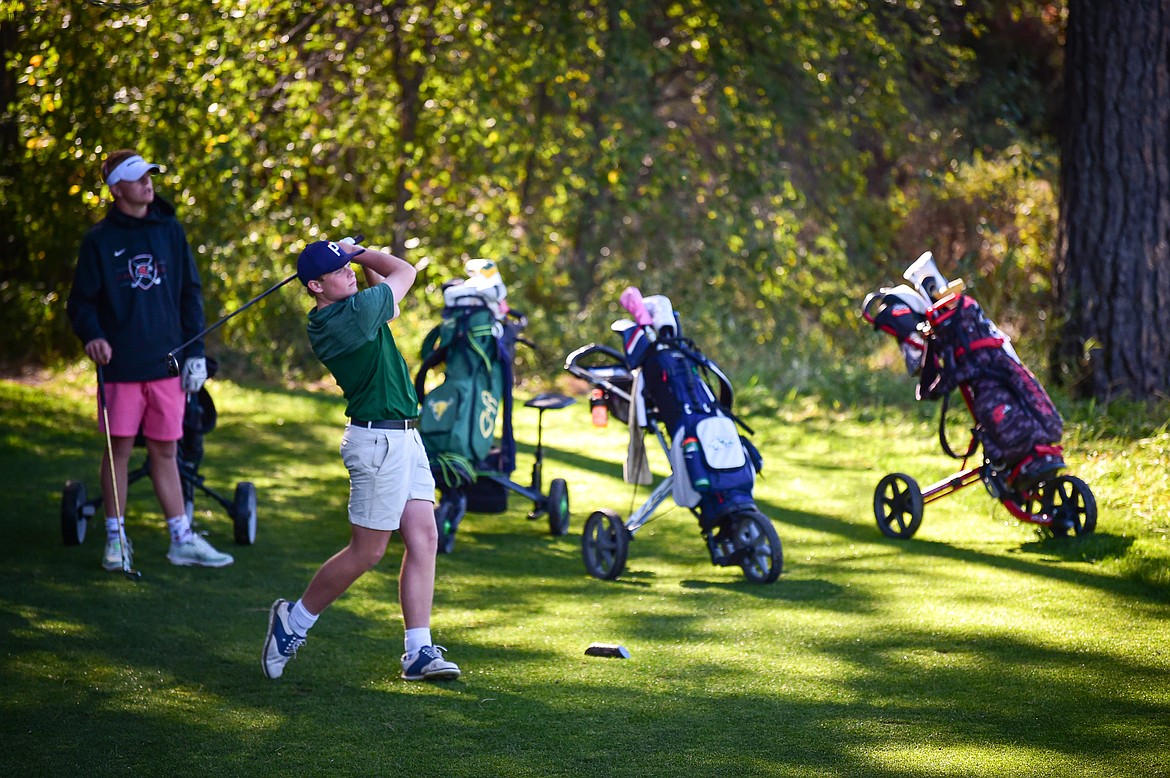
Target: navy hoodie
136, 285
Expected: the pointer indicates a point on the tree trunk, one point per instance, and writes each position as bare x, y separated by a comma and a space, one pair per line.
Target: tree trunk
1113, 253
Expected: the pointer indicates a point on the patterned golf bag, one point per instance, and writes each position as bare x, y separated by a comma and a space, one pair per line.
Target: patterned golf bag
952, 344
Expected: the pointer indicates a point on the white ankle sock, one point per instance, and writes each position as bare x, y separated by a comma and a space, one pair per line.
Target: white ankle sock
416, 638
300, 619
114, 528
180, 528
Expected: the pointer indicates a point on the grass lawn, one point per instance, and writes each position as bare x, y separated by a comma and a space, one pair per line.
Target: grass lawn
977, 648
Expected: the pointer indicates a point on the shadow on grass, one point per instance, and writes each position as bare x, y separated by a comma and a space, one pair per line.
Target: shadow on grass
1037, 557
804, 590
552, 454
1044, 552
1085, 548
110, 677
340, 703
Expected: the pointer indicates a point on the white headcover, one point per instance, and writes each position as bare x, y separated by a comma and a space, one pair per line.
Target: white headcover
661, 313
924, 275
911, 296
483, 286
485, 274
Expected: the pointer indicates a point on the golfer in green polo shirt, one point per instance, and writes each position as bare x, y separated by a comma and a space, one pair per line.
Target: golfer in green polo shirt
390, 483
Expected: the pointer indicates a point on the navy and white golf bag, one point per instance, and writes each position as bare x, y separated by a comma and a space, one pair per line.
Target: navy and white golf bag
714, 465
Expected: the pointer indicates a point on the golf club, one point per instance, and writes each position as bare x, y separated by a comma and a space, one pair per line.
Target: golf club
173, 361
126, 569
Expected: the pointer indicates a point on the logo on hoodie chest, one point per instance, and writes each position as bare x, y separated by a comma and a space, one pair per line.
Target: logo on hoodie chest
143, 272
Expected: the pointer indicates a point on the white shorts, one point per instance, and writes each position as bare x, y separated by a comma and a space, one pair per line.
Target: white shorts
386, 468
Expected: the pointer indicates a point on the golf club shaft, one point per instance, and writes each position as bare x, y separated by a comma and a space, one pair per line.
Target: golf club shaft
220, 323
130, 573
172, 360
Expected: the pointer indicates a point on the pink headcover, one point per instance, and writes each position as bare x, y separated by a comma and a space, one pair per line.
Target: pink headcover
631, 300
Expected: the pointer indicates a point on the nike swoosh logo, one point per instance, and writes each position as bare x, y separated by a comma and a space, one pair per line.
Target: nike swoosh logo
119, 252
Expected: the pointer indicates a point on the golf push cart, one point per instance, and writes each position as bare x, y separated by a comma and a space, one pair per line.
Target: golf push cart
661, 383
949, 343
199, 418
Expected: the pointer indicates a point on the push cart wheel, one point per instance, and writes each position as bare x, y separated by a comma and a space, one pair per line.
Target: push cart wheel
73, 520
243, 513
1072, 506
558, 507
448, 513
763, 557
605, 543
897, 506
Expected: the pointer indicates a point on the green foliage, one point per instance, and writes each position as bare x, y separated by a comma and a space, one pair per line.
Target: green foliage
997, 233
763, 164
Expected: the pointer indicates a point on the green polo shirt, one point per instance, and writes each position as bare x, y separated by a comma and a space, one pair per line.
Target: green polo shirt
352, 338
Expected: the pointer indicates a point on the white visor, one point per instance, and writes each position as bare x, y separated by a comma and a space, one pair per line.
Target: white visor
130, 169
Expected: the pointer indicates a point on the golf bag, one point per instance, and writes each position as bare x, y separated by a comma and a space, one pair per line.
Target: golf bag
474, 344
951, 344
714, 465
660, 382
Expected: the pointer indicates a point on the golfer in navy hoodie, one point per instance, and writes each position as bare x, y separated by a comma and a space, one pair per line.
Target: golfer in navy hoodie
136, 293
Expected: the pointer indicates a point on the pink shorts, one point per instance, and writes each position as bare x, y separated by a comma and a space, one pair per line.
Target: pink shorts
154, 407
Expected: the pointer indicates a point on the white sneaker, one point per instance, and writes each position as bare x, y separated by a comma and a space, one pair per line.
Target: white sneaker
112, 558
280, 643
428, 664
197, 552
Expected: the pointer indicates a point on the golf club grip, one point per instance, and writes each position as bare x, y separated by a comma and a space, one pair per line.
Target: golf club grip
631, 300
101, 386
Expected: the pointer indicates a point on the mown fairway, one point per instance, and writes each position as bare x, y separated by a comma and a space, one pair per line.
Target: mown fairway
975, 649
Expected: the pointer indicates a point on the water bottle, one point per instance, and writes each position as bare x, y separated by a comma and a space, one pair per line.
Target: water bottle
693, 456
597, 408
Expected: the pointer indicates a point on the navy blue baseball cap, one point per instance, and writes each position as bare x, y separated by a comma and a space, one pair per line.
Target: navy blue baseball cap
319, 258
